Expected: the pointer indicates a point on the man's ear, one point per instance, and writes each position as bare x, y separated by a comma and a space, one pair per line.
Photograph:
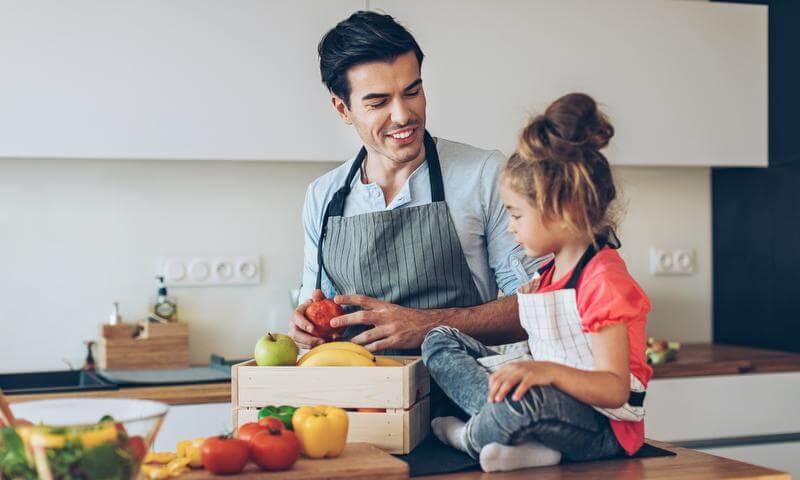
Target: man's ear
341, 109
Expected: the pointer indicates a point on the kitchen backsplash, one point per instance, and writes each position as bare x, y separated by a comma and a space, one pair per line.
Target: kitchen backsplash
76, 235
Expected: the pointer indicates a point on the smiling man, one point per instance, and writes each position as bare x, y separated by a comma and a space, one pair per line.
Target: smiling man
410, 233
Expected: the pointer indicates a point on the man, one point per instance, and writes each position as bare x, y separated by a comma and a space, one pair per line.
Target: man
412, 230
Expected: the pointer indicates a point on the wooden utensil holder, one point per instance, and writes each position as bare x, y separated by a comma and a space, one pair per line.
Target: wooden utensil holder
157, 345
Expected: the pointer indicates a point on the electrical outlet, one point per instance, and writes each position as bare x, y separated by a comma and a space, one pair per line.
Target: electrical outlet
206, 271
672, 261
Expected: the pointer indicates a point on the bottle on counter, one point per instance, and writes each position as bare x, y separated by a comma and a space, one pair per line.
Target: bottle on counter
89, 363
164, 307
114, 318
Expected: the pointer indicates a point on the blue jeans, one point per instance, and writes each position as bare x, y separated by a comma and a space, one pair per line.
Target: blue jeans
545, 414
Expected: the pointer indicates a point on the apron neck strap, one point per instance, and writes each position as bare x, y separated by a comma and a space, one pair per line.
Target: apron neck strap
335, 207
434, 174
434, 169
610, 240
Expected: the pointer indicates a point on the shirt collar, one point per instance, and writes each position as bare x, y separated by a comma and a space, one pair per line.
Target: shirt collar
406, 193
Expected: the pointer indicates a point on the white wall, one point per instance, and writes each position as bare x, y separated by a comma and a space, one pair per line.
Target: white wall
76, 235
670, 207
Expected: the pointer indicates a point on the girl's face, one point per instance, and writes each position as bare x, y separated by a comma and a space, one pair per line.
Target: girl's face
537, 237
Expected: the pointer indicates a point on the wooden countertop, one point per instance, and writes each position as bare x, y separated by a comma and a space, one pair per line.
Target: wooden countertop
687, 464
694, 360
701, 359
173, 395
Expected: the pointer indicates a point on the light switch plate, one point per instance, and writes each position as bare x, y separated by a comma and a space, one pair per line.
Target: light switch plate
208, 271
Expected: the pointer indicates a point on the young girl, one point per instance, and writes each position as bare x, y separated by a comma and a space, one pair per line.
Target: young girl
580, 392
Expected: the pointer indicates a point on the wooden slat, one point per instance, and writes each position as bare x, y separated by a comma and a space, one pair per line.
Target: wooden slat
394, 431
160, 330
345, 387
417, 425
418, 380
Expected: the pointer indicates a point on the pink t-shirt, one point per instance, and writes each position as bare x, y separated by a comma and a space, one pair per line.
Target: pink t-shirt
607, 294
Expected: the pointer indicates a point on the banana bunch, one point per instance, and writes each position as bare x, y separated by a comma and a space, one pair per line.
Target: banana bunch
344, 354
337, 354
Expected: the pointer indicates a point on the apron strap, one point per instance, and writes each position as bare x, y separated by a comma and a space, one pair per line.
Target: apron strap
434, 169
611, 240
335, 207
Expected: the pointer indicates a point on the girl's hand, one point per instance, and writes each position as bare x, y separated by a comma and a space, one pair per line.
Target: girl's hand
523, 374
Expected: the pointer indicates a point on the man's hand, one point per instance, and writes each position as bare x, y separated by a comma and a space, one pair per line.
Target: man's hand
394, 326
302, 330
523, 374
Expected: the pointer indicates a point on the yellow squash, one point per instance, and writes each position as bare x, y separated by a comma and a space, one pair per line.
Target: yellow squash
161, 458
191, 449
322, 430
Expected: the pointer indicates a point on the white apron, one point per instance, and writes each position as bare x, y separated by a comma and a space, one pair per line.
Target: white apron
553, 324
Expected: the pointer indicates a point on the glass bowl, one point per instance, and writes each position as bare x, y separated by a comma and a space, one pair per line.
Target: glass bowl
79, 439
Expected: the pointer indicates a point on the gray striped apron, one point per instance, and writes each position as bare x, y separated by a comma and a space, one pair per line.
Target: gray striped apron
407, 256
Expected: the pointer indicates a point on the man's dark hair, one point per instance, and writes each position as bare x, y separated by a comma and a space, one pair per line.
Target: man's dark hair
363, 37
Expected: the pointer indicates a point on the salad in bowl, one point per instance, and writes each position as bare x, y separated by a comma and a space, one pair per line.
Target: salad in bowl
79, 439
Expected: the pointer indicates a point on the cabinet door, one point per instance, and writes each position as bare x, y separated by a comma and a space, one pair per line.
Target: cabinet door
685, 83
183, 79
784, 457
722, 407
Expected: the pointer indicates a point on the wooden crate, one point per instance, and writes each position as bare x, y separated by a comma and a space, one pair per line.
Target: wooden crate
157, 346
402, 391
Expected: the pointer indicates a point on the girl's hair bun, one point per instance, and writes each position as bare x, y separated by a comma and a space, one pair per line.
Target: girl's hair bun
570, 128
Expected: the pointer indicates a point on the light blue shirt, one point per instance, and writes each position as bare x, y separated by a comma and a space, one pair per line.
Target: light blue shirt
470, 176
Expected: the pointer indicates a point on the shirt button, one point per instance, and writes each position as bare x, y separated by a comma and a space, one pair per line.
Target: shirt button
376, 194
515, 262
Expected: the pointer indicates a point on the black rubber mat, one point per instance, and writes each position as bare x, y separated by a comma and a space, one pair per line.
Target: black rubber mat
432, 457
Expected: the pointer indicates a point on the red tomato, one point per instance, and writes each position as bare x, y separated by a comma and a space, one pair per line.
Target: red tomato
137, 447
248, 430
271, 422
275, 449
224, 455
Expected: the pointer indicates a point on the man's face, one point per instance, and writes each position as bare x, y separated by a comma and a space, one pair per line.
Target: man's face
387, 107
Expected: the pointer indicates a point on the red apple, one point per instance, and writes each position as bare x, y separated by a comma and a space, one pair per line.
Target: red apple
320, 314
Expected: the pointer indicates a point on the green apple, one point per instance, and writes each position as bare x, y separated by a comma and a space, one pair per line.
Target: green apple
275, 349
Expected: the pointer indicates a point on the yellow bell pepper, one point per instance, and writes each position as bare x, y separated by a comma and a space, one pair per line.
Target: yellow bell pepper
322, 430
106, 433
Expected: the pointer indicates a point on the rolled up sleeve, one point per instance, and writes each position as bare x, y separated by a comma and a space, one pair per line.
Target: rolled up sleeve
507, 259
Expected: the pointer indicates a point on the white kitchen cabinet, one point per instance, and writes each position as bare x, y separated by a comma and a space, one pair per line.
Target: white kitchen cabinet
724, 406
717, 411
185, 422
784, 457
184, 79
685, 83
